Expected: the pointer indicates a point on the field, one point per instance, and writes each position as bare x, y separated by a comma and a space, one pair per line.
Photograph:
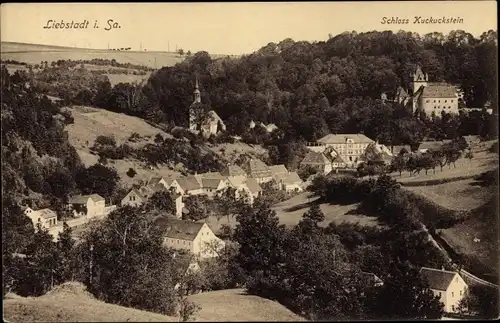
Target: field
34, 54
234, 305
290, 213
71, 303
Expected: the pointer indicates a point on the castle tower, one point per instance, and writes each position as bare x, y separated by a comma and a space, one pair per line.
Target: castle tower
197, 94
418, 79
192, 113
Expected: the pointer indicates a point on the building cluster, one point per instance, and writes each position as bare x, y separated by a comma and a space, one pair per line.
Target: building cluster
246, 180
83, 207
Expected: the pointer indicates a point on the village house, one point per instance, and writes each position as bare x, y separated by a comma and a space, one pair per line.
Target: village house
372, 279
234, 172
258, 170
431, 145
211, 186
448, 285
89, 205
194, 237
160, 180
429, 97
254, 188
137, 197
241, 188
318, 161
291, 183
396, 149
211, 123
46, 217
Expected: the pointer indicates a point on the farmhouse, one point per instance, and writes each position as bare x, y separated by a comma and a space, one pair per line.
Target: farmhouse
88, 205
137, 197
448, 285
258, 170
318, 161
194, 237
291, 183
46, 217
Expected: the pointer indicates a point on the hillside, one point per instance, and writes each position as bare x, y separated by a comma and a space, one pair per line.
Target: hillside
89, 123
70, 302
34, 53
235, 305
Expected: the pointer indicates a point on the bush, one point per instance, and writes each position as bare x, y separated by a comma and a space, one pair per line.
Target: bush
131, 172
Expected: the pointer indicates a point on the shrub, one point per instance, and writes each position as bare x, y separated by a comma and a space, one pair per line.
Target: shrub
131, 172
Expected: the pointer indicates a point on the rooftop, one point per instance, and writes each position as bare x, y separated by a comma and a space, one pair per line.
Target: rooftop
233, 170
179, 229
315, 158
278, 169
82, 199
438, 90
256, 168
342, 138
437, 278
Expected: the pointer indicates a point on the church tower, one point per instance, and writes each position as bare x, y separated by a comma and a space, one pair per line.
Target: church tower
418, 79
192, 113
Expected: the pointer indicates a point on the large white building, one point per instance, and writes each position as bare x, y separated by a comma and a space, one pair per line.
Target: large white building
430, 97
350, 147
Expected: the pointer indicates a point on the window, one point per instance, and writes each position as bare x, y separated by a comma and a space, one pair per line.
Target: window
445, 101
439, 294
452, 294
434, 101
449, 107
451, 101
453, 308
427, 101
434, 107
439, 100
178, 241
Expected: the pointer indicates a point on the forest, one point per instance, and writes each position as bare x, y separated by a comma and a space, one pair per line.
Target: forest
311, 89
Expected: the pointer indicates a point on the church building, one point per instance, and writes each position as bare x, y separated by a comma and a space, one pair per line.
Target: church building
430, 97
208, 123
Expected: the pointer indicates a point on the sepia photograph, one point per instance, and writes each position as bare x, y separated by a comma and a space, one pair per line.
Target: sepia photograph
251, 161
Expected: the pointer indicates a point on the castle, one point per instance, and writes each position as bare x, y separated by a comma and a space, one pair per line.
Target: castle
208, 123
429, 97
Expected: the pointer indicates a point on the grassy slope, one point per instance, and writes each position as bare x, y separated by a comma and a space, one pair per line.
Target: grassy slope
71, 303
234, 305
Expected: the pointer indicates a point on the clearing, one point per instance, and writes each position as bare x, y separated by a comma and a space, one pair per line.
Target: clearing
290, 213
233, 305
92, 122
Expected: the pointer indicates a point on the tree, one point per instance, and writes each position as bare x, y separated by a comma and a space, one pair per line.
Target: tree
199, 207
398, 164
97, 179
404, 296
65, 245
261, 241
162, 201
180, 51
129, 264
469, 155
314, 215
481, 300
227, 203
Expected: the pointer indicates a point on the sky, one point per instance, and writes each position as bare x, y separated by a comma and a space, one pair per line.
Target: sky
228, 28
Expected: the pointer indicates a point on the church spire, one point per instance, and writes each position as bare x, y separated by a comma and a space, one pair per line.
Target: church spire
197, 94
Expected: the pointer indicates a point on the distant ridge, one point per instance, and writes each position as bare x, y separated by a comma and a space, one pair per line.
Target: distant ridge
30, 47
